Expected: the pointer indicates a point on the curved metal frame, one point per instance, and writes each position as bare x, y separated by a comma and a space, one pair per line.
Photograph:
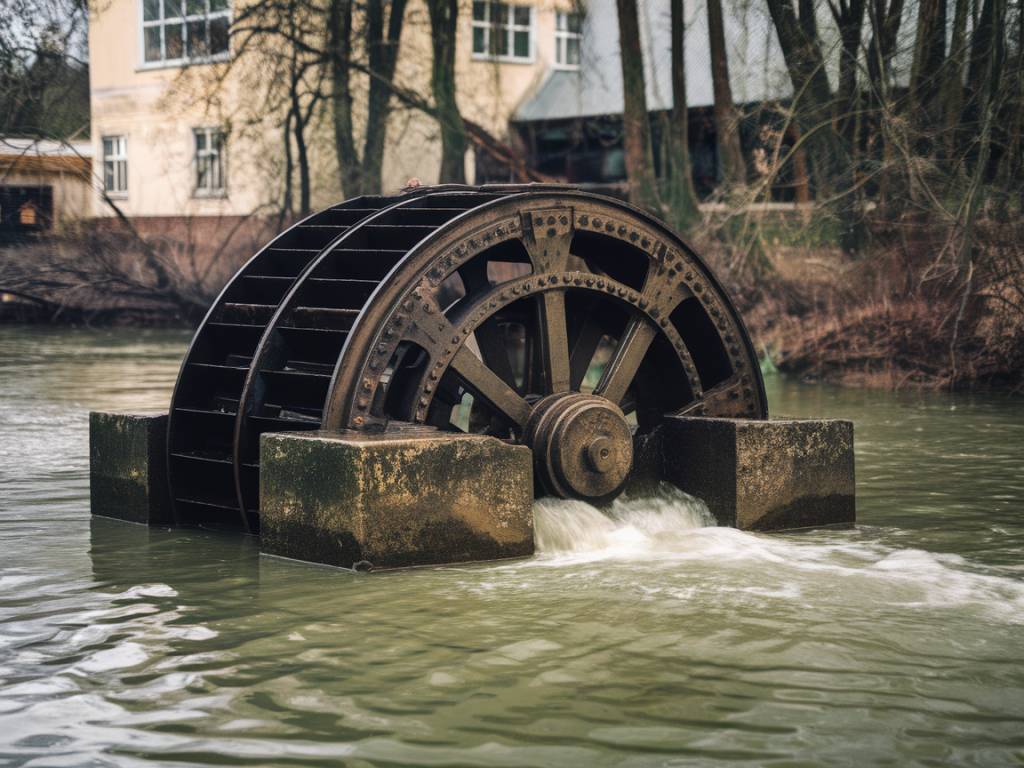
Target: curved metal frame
403, 306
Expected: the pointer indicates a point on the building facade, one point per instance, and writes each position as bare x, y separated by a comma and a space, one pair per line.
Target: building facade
173, 131
43, 184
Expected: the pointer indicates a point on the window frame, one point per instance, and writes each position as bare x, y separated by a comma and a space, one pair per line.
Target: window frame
119, 157
185, 19
509, 29
562, 38
220, 154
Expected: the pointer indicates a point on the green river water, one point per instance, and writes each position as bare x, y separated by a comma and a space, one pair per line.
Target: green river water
646, 639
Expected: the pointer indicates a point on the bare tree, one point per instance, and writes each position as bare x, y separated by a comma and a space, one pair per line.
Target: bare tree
681, 199
643, 190
444, 16
727, 133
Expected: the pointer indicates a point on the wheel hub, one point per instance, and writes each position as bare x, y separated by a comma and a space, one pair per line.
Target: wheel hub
582, 446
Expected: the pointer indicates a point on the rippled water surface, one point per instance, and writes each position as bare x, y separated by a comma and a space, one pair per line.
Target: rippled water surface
637, 639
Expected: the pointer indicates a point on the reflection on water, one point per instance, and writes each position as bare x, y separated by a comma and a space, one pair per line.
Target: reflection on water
641, 638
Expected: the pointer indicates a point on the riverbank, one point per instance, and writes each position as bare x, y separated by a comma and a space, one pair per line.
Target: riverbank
892, 316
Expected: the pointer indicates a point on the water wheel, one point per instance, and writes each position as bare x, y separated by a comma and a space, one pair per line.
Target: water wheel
537, 314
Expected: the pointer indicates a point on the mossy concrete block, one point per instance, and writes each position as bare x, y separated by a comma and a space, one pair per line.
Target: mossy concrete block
394, 500
128, 467
764, 475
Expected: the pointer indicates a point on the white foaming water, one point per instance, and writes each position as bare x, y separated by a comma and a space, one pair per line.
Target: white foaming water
631, 527
671, 527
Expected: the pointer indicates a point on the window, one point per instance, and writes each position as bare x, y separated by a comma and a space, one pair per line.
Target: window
210, 176
179, 31
115, 165
568, 34
502, 31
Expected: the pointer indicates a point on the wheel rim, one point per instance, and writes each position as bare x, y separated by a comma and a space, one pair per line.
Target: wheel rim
534, 296
393, 309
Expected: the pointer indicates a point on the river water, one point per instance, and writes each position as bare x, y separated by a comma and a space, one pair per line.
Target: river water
646, 638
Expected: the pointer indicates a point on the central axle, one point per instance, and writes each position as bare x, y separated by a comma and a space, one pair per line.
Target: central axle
582, 446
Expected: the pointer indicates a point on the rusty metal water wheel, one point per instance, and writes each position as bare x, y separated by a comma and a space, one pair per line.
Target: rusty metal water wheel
546, 316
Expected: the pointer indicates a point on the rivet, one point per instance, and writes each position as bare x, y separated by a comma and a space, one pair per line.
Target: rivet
551, 232
428, 388
590, 281
551, 220
358, 421
663, 322
424, 402
584, 219
539, 221
577, 280
698, 287
597, 222
600, 283
367, 385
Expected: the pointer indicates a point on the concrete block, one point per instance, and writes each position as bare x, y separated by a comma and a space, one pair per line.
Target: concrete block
764, 475
397, 499
128, 467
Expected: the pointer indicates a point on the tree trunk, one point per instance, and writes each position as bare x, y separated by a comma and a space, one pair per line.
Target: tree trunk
339, 34
927, 69
732, 167
289, 171
383, 56
643, 190
953, 85
885, 27
301, 155
812, 92
444, 16
849, 18
682, 199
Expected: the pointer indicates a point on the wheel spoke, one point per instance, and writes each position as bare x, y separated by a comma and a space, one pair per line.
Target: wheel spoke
585, 343
488, 385
723, 399
494, 350
554, 342
627, 358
